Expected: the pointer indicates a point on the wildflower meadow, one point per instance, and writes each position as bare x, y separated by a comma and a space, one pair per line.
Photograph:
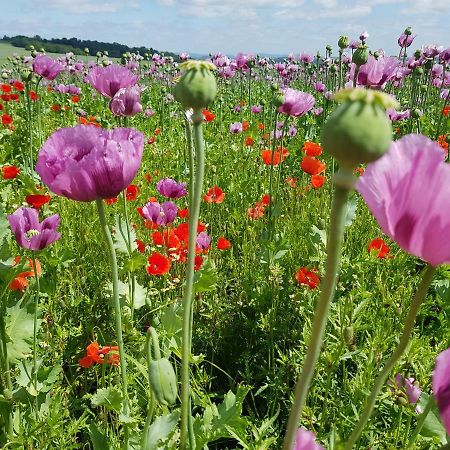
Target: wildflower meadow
231, 253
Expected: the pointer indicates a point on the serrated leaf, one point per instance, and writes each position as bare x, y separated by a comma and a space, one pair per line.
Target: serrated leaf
19, 331
110, 397
352, 204
124, 294
206, 278
134, 263
121, 236
160, 430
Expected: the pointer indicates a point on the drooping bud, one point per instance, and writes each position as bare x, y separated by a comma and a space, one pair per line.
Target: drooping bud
163, 381
361, 55
408, 31
358, 131
197, 87
343, 42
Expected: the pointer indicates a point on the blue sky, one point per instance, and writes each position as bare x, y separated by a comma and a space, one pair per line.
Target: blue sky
258, 26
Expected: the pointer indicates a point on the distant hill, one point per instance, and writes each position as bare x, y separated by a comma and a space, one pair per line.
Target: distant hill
77, 46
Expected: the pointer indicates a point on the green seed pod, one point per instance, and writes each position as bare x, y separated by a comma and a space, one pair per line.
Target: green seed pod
5, 76
86, 51
358, 131
34, 53
328, 48
333, 69
278, 99
417, 54
343, 42
408, 31
197, 87
416, 113
361, 55
163, 381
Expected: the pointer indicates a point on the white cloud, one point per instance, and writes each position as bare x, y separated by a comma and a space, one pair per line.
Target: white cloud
88, 6
427, 6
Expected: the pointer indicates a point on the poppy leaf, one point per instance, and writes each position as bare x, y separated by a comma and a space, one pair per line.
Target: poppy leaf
98, 438
161, 428
110, 397
206, 278
121, 236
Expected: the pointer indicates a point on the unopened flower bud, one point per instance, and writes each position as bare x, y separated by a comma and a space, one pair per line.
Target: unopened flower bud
278, 99
361, 55
5, 76
197, 87
34, 53
349, 335
358, 131
163, 381
408, 31
343, 42
376, 55
86, 51
417, 54
328, 48
416, 113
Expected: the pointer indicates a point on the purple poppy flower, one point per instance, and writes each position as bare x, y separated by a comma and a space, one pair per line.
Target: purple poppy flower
203, 240
306, 440
364, 36
184, 56
410, 386
29, 232
292, 131
405, 40
306, 59
73, 90
108, 80
417, 218
86, 163
445, 93
394, 115
441, 386
377, 72
354, 44
126, 101
170, 188
317, 111
162, 214
296, 103
149, 112
236, 128
444, 55
319, 87
47, 67
256, 109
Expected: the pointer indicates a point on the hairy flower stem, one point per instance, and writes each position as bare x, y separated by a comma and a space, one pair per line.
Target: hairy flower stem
404, 339
28, 160
344, 182
194, 211
35, 327
117, 313
420, 422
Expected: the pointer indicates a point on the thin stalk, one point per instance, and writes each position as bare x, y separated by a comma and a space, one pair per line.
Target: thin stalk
420, 422
35, 327
270, 207
404, 339
194, 211
343, 181
151, 407
29, 164
118, 315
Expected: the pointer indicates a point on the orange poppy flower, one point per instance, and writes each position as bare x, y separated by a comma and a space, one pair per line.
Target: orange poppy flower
312, 166
317, 181
37, 200
10, 172
111, 201
379, 248
158, 264
307, 277
95, 354
249, 142
208, 115
214, 195
312, 149
223, 243
274, 158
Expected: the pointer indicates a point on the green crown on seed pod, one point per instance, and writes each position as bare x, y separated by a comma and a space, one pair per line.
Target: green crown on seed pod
197, 87
343, 42
358, 131
163, 381
361, 55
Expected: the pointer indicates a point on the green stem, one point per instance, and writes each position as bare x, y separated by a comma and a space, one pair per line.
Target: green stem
404, 339
420, 422
117, 311
343, 182
6, 371
151, 408
29, 164
194, 211
35, 327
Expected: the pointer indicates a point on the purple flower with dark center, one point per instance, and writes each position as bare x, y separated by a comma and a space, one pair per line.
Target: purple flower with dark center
363, 36
306, 59
47, 67
441, 386
29, 232
162, 214
126, 101
170, 188
306, 440
408, 191
410, 386
377, 72
256, 109
236, 128
317, 111
292, 131
149, 112
108, 80
444, 55
184, 56
237, 108
73, 90
398, 115
203, 240
87, 163
319, 87
296, 103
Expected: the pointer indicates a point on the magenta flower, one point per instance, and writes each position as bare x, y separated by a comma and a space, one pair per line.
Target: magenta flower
377, 72
162, 214
47, 67
306, 59
29, 232
405, 40
296, 103
170, 188
306, 440
126, 101
203, 240
108, 80
441, 386
236, 128
410, 386
86, 163
408, 192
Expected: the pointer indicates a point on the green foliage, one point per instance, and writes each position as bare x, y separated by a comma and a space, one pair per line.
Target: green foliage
110, 397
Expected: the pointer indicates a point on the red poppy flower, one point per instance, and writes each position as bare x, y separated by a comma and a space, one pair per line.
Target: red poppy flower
148, 178
249, 142
111, 201
182, 232
223, 244
214, 195
198, 262
183, 213
75, 99
245, 125
6, 88
257, 211
312, 149
37, 200
274, 158
261, 126
20, 282
18, 86
265, 200
379, 248
291, 182
157, 131
132, 192
10, 172
317, 181
140, 246
14, 97
446, 111
95, 354
307, 277
33, 96
1, 106
312, 165
158, 264
442, 141
359, 171
208, 115
151, 140
55, 107
6, 120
